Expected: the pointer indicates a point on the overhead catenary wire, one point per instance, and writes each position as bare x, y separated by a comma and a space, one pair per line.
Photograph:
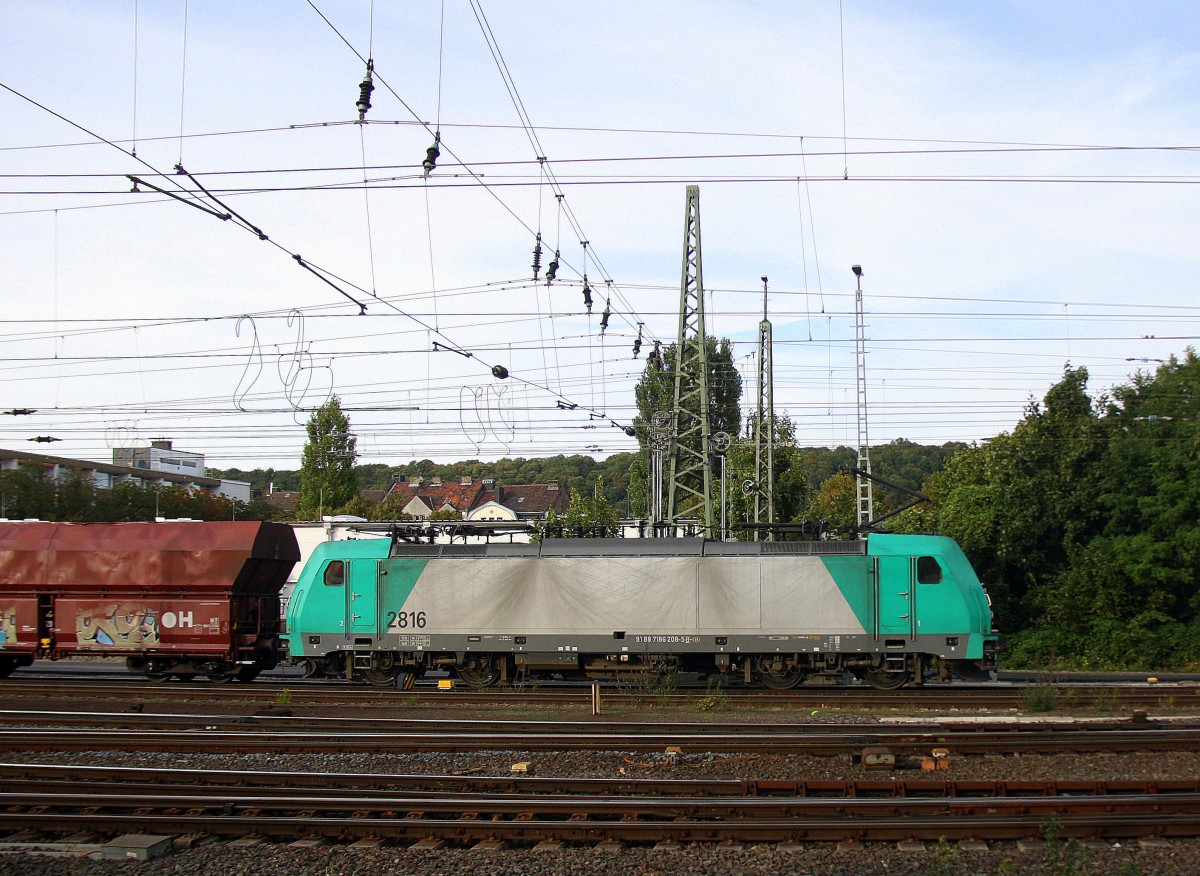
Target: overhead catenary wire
522, 333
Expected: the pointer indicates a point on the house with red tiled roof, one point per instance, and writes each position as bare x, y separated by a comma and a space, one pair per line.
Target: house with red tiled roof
521, 502
481, 500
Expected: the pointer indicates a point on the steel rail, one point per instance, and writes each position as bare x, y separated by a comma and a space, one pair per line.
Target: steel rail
274, 720
138, 780
770, 741
587, 820
318, 692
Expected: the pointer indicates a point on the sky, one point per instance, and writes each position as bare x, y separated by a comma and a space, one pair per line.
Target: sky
1017, 180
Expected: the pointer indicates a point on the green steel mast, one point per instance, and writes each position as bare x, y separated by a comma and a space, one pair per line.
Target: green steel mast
690, 484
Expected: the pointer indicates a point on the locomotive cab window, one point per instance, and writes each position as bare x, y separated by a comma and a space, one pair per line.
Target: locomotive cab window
929, 571
335, 574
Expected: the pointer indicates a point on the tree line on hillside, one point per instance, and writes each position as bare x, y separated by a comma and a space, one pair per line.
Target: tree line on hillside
901, 461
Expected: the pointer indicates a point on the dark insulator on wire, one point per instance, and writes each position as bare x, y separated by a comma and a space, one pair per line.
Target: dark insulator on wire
637, 344
552, 268
537, 256
587, 295
604, 316
655, 357
43, 439
364, 91
432, 154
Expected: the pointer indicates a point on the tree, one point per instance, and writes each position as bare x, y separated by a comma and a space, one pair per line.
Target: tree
586, 517
655, 392
792, 489
27, 491
327, 474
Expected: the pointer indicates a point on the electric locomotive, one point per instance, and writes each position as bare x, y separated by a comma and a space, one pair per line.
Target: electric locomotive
891, 610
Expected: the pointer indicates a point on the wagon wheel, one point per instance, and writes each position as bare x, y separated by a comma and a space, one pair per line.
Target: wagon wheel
479, 673
158, 677
221, 677
882, 679
248, 673
185, 676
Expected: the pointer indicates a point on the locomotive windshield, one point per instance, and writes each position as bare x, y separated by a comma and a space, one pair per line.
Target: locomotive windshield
929, 570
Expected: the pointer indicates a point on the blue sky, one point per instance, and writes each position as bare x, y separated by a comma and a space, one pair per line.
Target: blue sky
994, 249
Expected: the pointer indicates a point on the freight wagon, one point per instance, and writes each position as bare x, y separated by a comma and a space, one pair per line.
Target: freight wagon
891, 610
175, 599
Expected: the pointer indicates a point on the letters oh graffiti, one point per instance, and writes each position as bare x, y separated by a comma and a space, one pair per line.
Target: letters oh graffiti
171, 620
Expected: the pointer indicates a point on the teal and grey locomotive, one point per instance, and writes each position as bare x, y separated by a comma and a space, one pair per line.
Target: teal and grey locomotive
892, 610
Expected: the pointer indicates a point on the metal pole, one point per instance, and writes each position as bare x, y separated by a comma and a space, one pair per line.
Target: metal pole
724, 528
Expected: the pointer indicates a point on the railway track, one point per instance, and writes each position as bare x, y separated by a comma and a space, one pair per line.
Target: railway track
308, 693
167, 802
284, 734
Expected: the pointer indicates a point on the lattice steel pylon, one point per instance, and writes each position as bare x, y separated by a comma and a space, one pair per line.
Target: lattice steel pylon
764, 427
866, 501
689, 492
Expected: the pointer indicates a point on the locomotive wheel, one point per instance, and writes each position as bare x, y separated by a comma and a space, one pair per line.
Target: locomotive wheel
881, 679
221, 677
158, 677
381, 677
248, 673
480, 675
786, 679
185, 676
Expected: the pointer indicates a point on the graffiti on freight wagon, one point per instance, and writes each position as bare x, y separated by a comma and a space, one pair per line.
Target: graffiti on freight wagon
117, 625
8, 624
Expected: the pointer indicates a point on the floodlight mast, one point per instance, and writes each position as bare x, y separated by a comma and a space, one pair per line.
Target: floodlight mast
764, 427
863, 485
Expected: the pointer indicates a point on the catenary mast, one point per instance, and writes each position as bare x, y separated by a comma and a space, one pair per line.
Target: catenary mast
689, 492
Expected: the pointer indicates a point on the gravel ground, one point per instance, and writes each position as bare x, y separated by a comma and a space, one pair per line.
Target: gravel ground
1178, 857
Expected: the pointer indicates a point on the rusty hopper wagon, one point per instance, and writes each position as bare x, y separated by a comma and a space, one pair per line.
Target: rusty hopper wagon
174, 599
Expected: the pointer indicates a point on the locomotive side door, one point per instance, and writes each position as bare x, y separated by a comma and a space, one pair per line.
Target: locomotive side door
363, 596
894, 585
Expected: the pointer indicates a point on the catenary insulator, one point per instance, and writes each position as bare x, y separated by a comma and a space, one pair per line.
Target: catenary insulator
587, 294
364, 92
637, 343
432, 154
552, 268
605, 316
499, 372
537, 256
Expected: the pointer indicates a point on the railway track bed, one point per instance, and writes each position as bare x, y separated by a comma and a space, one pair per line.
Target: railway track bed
308, 693
409, 809
100, 731
396, 792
